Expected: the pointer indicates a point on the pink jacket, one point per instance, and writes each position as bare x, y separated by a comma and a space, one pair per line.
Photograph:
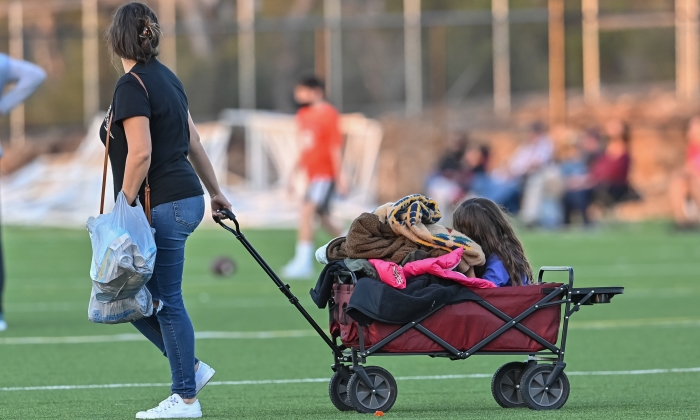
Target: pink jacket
395, 276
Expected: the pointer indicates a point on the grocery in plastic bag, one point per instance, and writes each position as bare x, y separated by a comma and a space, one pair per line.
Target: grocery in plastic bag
123, 250
120, 311
123, 258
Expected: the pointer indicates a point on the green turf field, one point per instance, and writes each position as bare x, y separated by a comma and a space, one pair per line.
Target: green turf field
655, 325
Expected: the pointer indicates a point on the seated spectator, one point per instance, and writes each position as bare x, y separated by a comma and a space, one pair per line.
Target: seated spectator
534, 154
445, 185
451, 164
475, 164
591, 147
574, 172
503, 191
477, 160
542, 189
685, 184
609, 172
505, 185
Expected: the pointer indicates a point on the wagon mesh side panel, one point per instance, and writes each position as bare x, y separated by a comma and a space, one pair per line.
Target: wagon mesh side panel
464, 324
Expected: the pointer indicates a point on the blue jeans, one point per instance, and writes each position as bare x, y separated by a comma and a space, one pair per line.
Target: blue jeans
576, 201
170, 329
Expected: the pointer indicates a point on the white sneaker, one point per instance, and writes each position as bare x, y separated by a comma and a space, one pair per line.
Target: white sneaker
3, 325
203, 375
298, 270
173, 407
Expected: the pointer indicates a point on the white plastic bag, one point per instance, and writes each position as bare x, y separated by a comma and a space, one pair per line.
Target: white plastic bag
120, 311
123, 257
123, 249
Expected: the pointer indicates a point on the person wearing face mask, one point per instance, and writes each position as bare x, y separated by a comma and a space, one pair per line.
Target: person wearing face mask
320, 142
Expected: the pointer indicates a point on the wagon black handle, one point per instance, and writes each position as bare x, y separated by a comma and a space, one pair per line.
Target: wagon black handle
284, 288
557, 268
228, 214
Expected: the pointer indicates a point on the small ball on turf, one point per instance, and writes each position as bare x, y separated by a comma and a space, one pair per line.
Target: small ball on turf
223, 266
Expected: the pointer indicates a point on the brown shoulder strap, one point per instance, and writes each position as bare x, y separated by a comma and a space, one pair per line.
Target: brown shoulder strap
140, 81
147, 192
104, 169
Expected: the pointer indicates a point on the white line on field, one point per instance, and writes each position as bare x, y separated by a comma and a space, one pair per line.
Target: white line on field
315, 380
634, 372
630, 323
202, 335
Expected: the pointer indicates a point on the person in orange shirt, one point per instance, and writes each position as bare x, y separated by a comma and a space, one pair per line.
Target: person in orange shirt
320, 144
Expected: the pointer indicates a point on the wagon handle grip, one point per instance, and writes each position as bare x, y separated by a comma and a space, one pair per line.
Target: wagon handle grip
557, 268
227, 214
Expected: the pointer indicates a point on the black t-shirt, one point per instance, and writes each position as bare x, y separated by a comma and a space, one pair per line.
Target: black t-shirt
170, 176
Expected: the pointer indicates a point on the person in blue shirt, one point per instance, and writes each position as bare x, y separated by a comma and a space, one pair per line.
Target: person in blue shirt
27, 77
487, 224
577, 194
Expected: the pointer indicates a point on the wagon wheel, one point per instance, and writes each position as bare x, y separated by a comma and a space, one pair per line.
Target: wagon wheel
381, 396
338, 390
536, 395
506, 383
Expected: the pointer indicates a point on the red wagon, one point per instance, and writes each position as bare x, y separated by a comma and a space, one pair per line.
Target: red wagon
525, 320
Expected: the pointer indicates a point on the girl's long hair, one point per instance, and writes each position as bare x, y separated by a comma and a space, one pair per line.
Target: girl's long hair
487, 224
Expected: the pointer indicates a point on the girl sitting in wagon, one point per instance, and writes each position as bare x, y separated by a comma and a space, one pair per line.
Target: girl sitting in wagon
485, 222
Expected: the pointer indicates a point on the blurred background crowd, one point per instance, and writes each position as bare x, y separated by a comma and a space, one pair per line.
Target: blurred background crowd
549, 181
565, 176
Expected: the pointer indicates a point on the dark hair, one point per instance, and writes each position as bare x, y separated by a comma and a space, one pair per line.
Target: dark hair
487, 224
312, 82
134, 33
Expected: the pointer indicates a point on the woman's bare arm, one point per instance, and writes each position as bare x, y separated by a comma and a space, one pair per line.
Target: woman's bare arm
202, 165
138, 159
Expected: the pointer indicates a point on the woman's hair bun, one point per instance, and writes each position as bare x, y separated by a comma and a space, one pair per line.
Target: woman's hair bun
146, 33
149, 37
134, 33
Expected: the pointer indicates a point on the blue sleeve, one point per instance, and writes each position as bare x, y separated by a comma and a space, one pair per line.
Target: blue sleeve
28, 76
496, 272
